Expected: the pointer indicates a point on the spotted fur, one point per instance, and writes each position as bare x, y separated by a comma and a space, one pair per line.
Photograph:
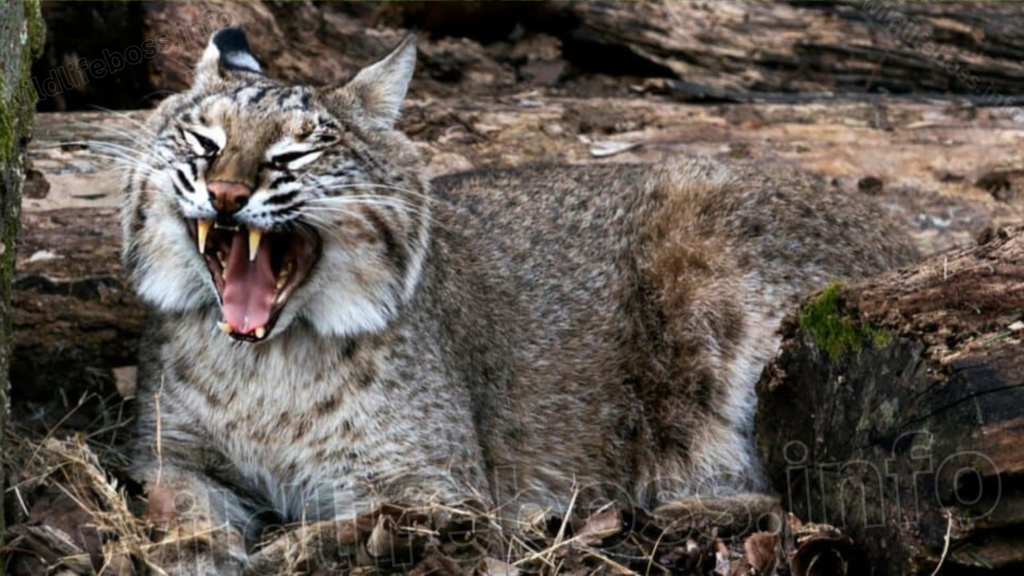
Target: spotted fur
500, 335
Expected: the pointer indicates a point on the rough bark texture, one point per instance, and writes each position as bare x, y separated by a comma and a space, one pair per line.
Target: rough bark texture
714, 47
76, 319
896, 407
814, 47
21, 36
709, 50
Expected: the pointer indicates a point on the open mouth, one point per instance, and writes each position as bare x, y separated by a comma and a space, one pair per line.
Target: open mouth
255, 272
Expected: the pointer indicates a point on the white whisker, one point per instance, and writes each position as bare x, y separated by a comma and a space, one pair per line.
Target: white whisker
404, 209
328, 226
127, 151
115, 132
369, 200
126, 162
137, 123
424, 197
330, 185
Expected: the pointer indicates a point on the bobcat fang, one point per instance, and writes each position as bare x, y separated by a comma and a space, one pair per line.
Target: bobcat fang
254, 242
202, 231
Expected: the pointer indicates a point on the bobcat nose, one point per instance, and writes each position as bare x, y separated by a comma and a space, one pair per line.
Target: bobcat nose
228, 197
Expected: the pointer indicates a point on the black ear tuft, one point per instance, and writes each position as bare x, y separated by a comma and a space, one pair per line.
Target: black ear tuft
231, 40
234, 51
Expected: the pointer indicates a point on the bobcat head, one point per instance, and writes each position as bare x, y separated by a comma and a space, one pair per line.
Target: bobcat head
263, 203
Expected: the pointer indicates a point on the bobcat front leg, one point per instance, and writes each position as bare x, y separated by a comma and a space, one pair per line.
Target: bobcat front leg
195, 523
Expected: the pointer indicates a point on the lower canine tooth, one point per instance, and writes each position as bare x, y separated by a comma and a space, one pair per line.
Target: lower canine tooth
260, 332
224, 327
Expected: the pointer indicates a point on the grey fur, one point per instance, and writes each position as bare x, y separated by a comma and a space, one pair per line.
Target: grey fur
543, 328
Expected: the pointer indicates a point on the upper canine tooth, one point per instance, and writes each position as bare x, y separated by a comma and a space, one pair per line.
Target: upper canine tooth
254, 242
203, 229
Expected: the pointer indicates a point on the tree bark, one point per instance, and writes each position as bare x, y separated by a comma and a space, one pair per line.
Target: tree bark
21, 37
895, 411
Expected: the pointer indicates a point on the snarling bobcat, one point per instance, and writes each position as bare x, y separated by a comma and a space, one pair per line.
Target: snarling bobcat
329, 329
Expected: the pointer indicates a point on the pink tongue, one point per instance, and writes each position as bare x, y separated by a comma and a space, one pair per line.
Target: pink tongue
249, 288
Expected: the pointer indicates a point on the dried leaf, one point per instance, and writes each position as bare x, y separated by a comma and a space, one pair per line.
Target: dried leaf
599, 526
126, 380
795, 524
823, 551
380, 543
722, 564
760, 551
54, 546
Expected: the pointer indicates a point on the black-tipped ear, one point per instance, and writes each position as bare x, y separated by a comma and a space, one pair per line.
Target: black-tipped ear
234, 51
378, 90
227, 52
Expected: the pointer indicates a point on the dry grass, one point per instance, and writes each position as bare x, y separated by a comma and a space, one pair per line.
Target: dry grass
77, 518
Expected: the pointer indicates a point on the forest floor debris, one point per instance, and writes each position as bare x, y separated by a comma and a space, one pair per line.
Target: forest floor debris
77, 514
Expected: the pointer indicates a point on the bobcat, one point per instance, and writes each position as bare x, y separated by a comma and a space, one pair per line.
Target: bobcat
330, 330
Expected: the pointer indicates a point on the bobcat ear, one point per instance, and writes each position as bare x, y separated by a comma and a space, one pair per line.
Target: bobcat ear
227, 53
378, 90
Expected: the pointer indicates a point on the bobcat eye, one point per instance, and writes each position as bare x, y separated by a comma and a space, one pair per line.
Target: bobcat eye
201, 145
294, 160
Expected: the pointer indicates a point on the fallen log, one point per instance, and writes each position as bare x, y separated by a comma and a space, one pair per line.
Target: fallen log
895, 411
751, 48
806, 47
718, 50
75, 318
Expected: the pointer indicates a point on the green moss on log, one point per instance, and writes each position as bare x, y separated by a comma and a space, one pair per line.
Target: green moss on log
834, 332
27, 33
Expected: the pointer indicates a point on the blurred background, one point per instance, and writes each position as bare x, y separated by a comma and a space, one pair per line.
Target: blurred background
695, 51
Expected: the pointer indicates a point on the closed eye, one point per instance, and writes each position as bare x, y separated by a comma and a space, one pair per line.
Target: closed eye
200, 144
295, 159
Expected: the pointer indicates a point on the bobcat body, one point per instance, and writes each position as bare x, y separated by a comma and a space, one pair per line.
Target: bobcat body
501, 336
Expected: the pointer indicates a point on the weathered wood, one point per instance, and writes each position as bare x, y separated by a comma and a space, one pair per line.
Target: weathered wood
895, 411
76, 319
811, 46
715, 50
737, 46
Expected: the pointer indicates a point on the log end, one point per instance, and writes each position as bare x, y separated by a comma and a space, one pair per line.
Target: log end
895, 406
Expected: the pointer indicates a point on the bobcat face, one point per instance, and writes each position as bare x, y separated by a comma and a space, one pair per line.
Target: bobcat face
275, 203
